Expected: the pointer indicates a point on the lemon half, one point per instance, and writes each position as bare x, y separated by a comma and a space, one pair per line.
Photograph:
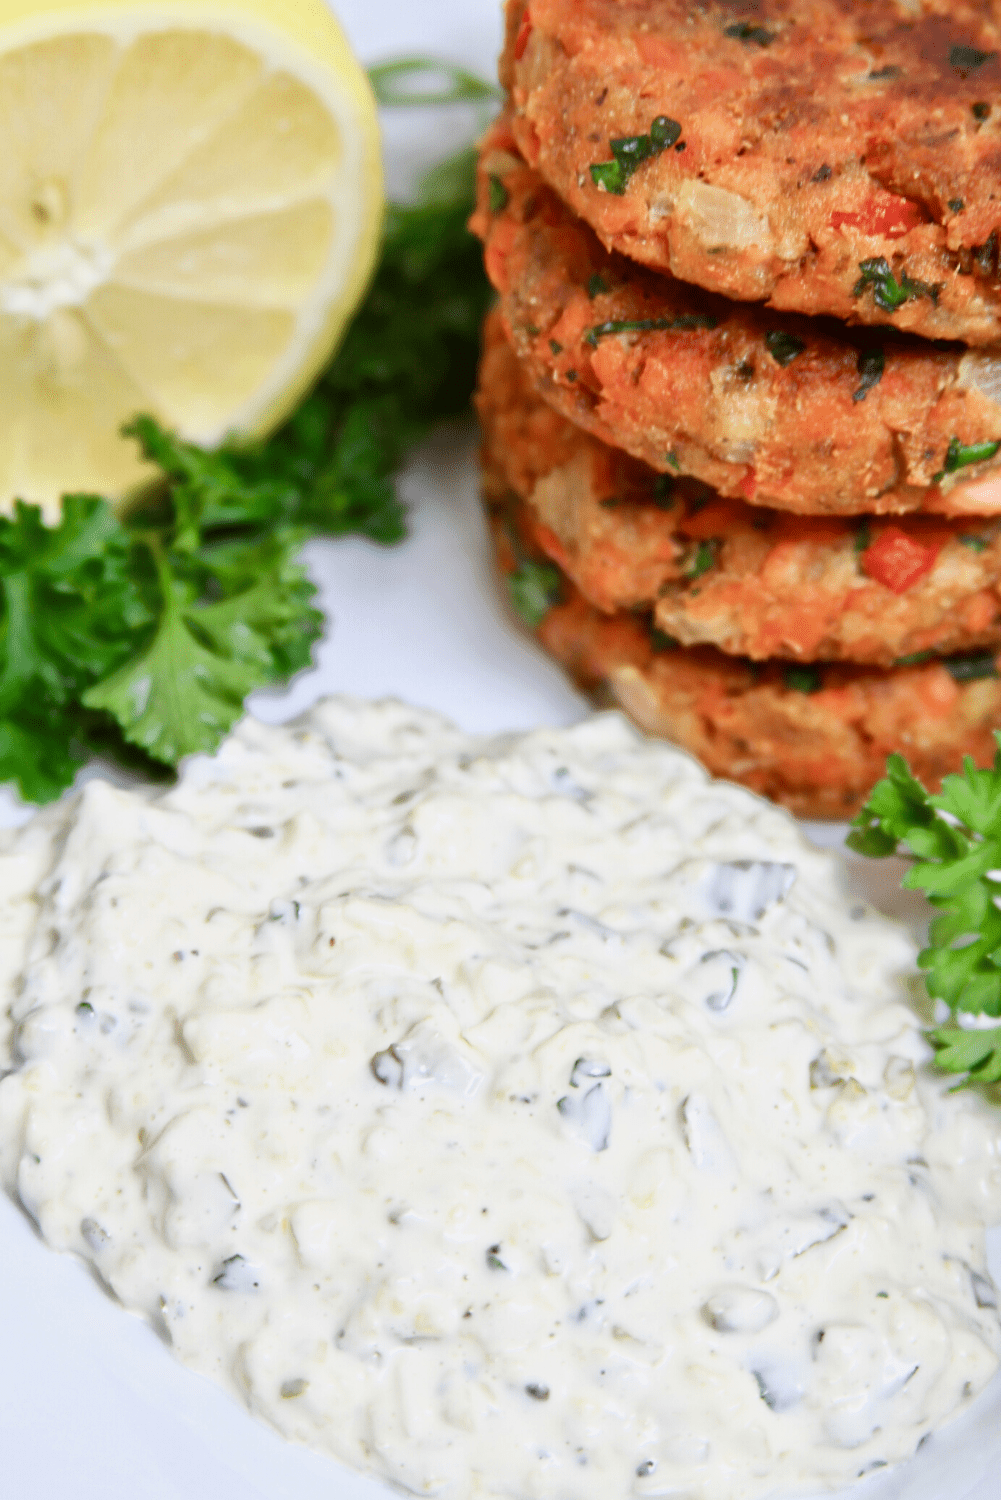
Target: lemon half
190, 205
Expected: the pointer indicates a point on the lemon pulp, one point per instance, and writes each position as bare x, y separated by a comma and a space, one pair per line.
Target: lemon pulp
190, 200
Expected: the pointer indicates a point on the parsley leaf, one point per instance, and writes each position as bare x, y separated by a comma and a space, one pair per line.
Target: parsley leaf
975, 1053
186, 689
399, 82
71, 612
954, 838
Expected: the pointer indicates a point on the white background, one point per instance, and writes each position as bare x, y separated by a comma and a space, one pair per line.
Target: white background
92, 1406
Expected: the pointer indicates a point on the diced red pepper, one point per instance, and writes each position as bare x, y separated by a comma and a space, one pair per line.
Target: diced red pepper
521, 40
748, 485
891, 218
899, 560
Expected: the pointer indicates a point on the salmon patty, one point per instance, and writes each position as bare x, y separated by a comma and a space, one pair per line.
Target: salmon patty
825, 156
794, 414
750, 581
812, 738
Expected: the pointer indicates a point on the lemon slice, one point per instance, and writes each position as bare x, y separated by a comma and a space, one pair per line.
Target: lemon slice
190, 204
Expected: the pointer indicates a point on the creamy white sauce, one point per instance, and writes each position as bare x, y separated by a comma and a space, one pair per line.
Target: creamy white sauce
520, 1118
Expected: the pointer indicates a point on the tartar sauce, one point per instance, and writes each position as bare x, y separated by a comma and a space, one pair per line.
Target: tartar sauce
528, 1117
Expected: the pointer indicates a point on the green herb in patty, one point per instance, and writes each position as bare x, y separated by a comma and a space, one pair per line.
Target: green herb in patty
871, 363
743, 31
960, 455
534, 588
802, 679
703, 558
971, 666
498, 195
783, 347
887, 292
684, 322
631, 151
967, 59
916, 659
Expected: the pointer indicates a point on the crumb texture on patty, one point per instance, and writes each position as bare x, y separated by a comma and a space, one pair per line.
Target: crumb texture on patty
825, 156
813, 738
792, 413
750, 581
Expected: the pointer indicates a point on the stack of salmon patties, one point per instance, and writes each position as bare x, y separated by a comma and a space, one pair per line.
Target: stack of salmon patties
741, 389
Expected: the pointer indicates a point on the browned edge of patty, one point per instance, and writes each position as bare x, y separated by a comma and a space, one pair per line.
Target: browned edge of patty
805, 140
750, 581
788, 413
814, 739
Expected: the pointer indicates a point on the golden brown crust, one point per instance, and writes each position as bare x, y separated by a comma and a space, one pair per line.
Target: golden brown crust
717, 389
817, 752
752, 582
816, 134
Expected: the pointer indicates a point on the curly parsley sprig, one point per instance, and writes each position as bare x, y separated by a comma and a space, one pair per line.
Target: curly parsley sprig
954, 838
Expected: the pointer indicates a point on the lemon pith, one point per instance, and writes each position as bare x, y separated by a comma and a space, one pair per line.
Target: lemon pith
190, 202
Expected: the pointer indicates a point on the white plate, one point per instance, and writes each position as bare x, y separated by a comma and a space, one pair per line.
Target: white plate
92, 1406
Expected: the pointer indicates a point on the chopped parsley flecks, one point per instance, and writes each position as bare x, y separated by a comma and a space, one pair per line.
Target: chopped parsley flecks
498, 195
887, 292
968, 59
975, 543
863, 537
680, 324
783, 347
871, 363
743, 31
661, 641
960, 455
956, 205
703, 558
802, 679
883, 75
631, 151
972, 666
672, 459
534, 588
596, 285
555, 347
